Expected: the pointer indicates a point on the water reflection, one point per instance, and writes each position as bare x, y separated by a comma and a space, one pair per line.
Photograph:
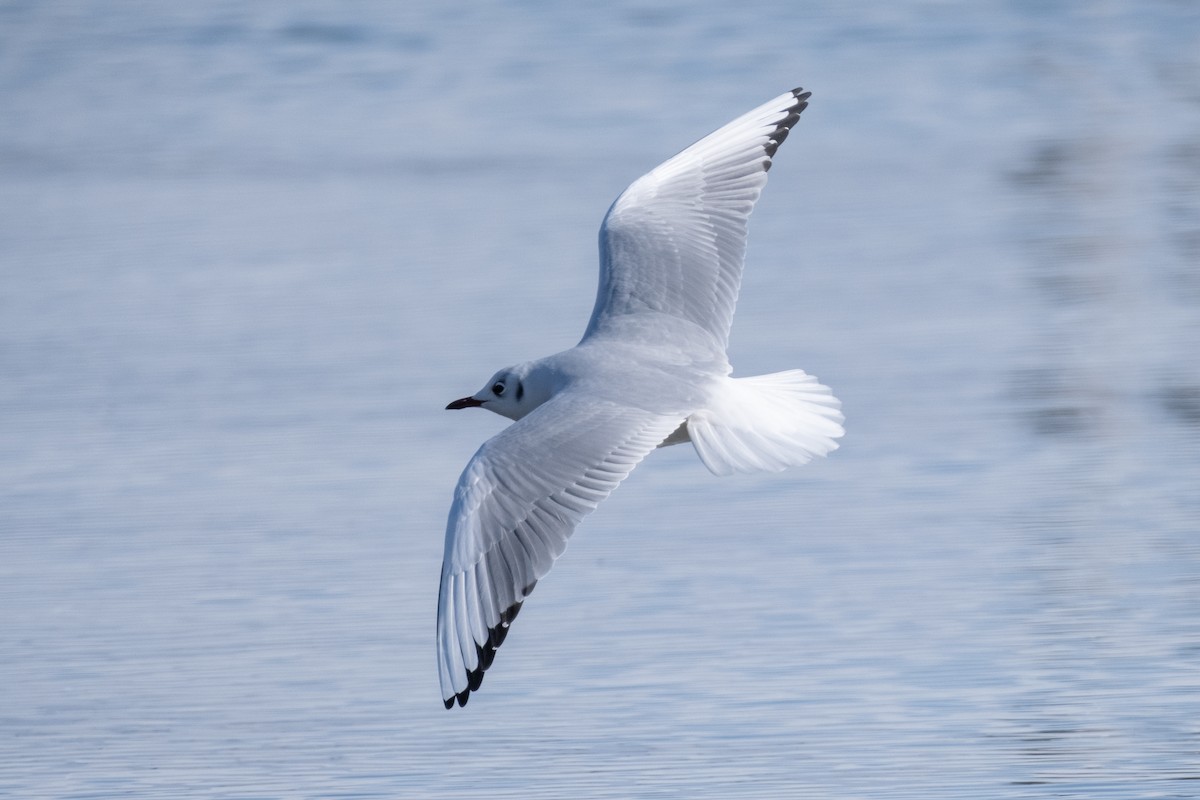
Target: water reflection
1106, 220
1183, 403
1099, 285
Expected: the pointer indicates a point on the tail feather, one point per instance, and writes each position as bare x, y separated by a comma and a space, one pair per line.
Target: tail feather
766, 423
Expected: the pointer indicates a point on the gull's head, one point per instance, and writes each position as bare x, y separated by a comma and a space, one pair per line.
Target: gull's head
512, 392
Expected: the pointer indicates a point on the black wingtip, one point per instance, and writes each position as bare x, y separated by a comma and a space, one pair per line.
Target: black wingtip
486, 652
508, 616
486, 655
784, 126
496, 637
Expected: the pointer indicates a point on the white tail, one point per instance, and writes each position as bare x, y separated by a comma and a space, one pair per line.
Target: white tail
767, 422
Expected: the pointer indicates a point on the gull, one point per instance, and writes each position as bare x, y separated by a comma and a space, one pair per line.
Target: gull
651, 370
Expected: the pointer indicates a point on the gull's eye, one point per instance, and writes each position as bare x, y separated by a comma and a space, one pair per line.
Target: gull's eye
498, 389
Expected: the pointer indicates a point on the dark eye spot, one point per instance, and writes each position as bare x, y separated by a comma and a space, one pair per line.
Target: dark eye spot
498, 389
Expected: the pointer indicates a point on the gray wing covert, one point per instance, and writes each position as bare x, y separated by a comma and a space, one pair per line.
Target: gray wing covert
674, 241
518, 500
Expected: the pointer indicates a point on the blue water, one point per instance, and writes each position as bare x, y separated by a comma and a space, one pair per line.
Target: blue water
249, 251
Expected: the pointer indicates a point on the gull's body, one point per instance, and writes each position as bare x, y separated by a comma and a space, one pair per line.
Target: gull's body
651, 370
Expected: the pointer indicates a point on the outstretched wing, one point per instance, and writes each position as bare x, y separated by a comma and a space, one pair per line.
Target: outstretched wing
515, 505
674, 241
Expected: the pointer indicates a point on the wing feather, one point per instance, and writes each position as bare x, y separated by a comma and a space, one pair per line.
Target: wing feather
517, 502
674, 241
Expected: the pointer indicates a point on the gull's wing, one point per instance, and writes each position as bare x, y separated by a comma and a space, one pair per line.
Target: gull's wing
673, 241
516, 503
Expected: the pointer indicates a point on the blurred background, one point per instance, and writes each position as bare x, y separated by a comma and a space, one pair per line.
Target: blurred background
249, 251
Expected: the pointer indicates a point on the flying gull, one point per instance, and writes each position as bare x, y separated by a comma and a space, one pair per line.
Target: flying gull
651, 370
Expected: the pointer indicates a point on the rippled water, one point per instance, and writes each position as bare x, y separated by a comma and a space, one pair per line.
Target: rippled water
248, 253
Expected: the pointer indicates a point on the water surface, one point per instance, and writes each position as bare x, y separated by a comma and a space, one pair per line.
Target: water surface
247, 254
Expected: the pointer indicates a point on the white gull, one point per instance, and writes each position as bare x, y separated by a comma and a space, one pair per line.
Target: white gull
650, 370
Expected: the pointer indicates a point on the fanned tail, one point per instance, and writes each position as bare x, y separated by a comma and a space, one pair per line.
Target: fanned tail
766, 423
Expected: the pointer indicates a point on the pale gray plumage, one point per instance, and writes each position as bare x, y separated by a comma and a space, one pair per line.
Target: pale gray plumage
651, 365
